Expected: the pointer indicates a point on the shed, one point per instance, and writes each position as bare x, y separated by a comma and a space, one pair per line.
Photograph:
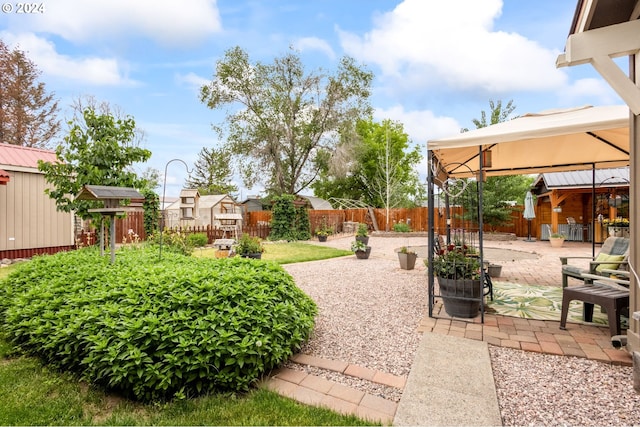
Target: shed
30, 223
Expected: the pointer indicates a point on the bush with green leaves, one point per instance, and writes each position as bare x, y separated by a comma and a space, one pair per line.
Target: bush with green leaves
153, 329
401, 227
197, 240
175, 241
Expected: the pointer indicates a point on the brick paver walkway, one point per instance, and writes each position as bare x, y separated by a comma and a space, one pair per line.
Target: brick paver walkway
579, 340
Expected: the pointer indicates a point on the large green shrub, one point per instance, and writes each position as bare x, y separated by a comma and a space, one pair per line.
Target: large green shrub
156, 329
197, 240
283, 219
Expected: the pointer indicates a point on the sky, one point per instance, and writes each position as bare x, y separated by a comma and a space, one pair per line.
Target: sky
436, 63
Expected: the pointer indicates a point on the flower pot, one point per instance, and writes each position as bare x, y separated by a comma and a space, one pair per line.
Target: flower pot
454, 290
363, 254
363, 239
494, 270
556, 242
322, 238
407, 260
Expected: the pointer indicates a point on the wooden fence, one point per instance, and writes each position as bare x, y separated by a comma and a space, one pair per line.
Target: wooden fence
258, 223
416, 218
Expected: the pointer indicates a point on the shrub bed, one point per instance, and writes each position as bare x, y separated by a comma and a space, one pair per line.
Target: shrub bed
156, 329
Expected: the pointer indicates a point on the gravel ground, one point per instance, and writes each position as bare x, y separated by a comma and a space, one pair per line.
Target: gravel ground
368, 314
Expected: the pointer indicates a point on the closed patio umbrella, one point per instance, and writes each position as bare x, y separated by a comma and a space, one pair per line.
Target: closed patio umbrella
529, 213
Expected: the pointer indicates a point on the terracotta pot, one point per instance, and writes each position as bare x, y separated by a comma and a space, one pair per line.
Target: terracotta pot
556, 242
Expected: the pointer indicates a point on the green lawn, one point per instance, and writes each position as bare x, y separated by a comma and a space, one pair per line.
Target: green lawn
287, 253
32, 394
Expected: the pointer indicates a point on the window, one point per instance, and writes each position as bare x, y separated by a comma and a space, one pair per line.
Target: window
186, 212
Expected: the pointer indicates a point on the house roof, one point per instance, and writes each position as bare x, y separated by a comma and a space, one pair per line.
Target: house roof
26, 157
204, 202
189, 192
584, 178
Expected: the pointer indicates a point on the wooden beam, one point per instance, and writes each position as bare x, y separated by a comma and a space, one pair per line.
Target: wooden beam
598, 47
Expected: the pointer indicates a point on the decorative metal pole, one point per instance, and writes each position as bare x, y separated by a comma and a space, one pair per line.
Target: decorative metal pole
164, 191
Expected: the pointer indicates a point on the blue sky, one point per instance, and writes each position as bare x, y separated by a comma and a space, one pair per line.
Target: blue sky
436, 63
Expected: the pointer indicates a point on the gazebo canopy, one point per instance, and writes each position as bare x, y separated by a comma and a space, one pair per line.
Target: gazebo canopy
554, 140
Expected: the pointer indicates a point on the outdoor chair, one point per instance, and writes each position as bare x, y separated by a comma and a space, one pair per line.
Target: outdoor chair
610, 293
614, 255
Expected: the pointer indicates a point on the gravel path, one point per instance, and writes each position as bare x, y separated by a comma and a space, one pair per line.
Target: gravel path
368, 314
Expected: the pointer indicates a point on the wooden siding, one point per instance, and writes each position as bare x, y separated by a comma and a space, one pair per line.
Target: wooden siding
29, 218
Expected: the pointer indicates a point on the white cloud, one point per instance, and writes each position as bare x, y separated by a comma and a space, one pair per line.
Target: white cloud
589, 88
92, 70
314, 43
168, 22
420, 125
453, 43
194, 81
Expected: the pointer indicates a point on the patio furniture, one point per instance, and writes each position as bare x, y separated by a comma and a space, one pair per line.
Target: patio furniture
610, 293
612, 255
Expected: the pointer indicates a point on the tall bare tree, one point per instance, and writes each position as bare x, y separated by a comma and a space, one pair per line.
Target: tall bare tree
28, 113
283, 117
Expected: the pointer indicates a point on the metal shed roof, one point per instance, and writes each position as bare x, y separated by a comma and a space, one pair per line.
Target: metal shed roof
584, 178
27, 157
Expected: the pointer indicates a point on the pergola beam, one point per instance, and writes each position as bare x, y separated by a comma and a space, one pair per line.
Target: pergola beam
598, 47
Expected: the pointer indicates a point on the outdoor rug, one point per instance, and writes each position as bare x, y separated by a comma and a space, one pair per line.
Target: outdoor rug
538, 303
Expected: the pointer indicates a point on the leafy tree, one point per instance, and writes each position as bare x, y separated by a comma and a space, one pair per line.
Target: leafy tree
98, 151
287, 118
498, 191
498, 114
382, 169
283, 218
28, 113
151, 178
213, 172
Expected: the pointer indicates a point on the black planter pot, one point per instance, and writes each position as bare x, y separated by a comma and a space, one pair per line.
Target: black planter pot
256, 255
453, 291
363, 254
322, 238
363, 239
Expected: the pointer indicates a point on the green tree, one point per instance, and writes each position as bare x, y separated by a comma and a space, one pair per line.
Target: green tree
498, 191
212, 172
28, 113
98, 151
287, 118
382, 171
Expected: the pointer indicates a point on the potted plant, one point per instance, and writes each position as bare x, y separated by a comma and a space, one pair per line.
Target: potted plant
362, 234
557, 240
249, 247
457, 268
324, 231
407, 258
361, 250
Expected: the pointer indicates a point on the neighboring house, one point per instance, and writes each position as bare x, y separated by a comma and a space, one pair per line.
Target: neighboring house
194, 210
30, 224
